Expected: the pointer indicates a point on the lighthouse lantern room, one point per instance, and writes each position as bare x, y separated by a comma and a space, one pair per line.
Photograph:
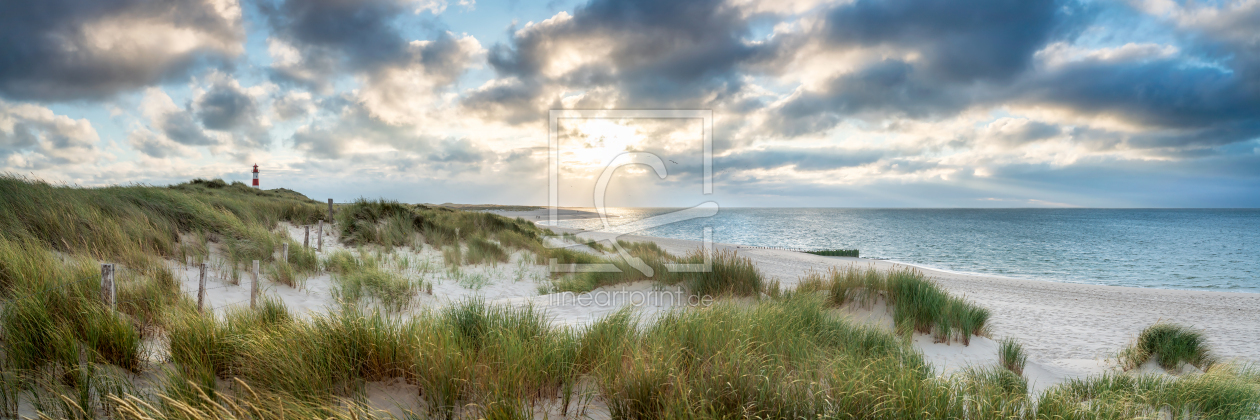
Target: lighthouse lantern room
255, 175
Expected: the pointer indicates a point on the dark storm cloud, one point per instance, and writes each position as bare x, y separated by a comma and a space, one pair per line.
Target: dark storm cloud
181, 127
1191, 105
978, 54
960, 41
651, 54
225, 107
513, 101
967, 53
362, 32
48, 51
362, 36
884, 88
1162, 93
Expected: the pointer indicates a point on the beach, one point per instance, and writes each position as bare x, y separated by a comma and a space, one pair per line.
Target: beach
1069, 330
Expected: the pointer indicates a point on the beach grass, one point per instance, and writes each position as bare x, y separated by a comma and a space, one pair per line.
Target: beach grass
1011, 355
1220, 394
68, 355
388, 289
1170, 345
728, 275
482, 250
918, 304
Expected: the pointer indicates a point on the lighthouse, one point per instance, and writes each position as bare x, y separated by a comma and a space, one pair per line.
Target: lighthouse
255, 175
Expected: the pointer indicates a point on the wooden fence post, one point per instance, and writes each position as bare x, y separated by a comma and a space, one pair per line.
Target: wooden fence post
306, 240
107, 285
319, 237
253, 288
286, 252
330, 212
201, 289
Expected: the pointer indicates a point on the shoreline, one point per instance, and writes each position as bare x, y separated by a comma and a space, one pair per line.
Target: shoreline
1127, 263
1069, 328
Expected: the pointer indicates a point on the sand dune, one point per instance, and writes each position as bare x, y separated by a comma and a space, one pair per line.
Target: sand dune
1068, 330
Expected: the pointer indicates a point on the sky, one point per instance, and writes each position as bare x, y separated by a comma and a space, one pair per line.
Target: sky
851, 103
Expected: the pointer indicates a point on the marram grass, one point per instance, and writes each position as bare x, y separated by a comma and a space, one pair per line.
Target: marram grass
66, 355
1170, 345
917, 303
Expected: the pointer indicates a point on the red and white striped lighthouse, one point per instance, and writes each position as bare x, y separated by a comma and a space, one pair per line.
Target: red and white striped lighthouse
255, 175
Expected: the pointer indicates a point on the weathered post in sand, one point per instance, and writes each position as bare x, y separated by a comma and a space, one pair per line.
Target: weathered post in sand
201, 289
330, 219
286, 252
253, 288
306, 240
319, 237
107, 285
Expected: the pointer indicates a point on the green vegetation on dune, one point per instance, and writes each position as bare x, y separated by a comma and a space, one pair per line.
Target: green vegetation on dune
390, 223
918, 304
1011, 355
1170, 345
67, 355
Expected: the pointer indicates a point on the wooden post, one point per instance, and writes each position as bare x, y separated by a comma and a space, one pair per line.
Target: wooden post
201, 289
286, 252
306, 240
253, 288
330, 219
319, 237
107, 285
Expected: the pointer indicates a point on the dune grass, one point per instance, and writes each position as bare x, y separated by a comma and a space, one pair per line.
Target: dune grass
391, 223
785, 358
1218, 394
730, 275
51, 306
1011, 355
1170, 345
70, 356
384, 288
481, 251
918, 304
138, 225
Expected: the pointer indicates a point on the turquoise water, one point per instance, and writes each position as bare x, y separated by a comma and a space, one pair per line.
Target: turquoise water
1203, 249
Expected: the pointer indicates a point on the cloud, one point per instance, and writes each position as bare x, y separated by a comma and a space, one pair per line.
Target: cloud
223, 116
293, 104
957, 41
88, 49
225, 107
891, 87
316, 40
33, 137
800, 159
410, 93
637, 54
155, 145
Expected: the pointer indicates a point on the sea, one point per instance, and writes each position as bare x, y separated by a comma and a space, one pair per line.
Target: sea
1197, 249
